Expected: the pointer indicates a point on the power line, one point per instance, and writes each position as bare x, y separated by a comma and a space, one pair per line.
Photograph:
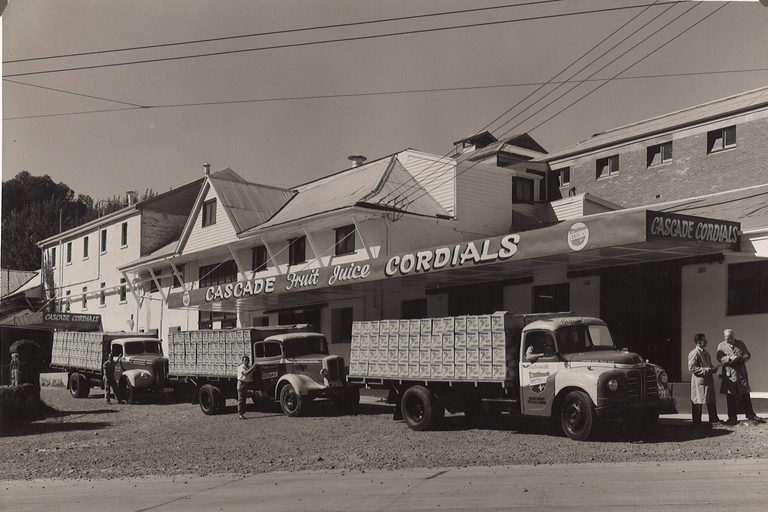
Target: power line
430, 180
601, 85
73, 93
336, 40
368, 94
285, 31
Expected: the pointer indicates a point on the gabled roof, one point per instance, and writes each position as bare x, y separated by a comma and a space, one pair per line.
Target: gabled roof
521, 145
247, 204
746, 101
12, 281
369, 186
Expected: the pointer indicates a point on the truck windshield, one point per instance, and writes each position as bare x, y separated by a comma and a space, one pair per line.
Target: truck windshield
583, 338
143, 347
298, 347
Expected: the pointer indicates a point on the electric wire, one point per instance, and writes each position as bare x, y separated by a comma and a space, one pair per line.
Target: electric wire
280, 32
336, 40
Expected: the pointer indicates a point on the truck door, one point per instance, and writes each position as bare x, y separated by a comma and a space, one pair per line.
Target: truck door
117, 354
539, 363
269, 356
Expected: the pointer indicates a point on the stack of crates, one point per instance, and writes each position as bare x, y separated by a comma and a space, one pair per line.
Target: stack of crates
215, 353
471, 347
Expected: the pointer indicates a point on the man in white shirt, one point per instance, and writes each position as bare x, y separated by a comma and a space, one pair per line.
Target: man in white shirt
244, 380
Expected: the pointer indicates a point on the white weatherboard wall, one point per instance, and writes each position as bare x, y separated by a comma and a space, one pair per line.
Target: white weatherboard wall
484, 199
704, 303
219, 234
435, 174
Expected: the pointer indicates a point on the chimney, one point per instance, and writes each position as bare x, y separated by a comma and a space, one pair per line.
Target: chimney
130, 197
206, 169
357, 160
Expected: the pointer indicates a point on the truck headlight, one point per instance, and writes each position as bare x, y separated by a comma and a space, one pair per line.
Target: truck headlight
663, 378
324, 372
613, 385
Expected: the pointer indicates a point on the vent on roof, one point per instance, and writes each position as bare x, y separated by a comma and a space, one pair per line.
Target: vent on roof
357, 160
206, 169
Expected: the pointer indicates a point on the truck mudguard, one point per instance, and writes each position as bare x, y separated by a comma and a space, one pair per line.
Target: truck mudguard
139, 378
301, 383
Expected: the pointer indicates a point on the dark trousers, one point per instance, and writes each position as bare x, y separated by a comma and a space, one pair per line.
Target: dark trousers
696, 412
733, 405
242, 394
113, 385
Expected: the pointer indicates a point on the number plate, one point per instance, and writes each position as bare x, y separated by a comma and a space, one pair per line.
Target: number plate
167, 390
335, 384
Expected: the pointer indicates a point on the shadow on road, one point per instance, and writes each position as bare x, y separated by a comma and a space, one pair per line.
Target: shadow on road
35, 428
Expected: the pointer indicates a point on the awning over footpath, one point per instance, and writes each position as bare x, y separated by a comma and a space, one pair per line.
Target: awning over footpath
53, 320
617, 238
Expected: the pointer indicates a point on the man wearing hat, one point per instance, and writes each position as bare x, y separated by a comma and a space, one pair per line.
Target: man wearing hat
733, 355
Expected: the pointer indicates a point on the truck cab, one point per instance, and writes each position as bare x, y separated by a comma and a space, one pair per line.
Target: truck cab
139, 365
296, 368
570, 366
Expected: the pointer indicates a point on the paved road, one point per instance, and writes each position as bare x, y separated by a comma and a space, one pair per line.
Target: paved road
699, 485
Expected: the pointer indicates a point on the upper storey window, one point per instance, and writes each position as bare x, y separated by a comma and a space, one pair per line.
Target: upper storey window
659, 154
607, 166
720, 139
522, 190
345, 240
209, 213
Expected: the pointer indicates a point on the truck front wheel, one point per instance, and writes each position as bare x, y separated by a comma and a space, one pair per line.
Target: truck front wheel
79, 387
577, 417
127, 391
210, 399
421, 409
292, 403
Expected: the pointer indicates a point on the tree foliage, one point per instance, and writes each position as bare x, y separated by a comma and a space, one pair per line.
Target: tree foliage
36, 208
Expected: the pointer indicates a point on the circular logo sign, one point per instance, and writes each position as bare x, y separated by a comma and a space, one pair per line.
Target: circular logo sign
578, 236
185, 298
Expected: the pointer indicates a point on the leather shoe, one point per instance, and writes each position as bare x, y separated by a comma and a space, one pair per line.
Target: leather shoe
757, 419
731, 422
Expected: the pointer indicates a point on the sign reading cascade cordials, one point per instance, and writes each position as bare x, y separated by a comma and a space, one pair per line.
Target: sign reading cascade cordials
671, 227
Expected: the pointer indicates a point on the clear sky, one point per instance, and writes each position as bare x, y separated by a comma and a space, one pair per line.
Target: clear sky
292, 141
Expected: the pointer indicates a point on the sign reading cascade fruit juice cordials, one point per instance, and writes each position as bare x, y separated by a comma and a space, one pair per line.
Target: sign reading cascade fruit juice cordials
672, 227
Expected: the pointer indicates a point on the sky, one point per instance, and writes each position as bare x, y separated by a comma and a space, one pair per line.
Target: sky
86, 128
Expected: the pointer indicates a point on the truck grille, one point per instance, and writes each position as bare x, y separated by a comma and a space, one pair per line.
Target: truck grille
161, 371
642, 385
336, 371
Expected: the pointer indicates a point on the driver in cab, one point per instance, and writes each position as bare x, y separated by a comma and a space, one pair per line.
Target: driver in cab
538, 348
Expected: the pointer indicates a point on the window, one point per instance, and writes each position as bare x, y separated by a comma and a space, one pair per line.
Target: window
720, 139
552, 298
103, 295
522, 190
154, 281
345, 240
607, 166
69, 253
53, 257
67, 302
209, 212
219, 273
85, 248
268, 349
85, 297
216, 320
564, 176
124, 235
341, 325
259, 258
181, 270
123, 289
659, 154
297, 250
415, 308
260, 321
103, 240
748, 288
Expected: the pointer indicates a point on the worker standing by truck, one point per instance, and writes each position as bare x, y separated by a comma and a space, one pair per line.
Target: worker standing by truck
108, 369
244, 382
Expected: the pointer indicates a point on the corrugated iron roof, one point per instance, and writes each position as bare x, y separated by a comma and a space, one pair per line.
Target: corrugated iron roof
506, 145
749, 100
247, 204
749, 206
366, 186
12, 281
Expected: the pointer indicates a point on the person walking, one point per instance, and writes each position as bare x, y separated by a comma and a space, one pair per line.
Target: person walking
702, 382
108, 368
244, 380
15, 369
733, 355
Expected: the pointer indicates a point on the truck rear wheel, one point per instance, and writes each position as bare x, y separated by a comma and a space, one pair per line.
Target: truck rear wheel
210, 400
79, 386
421, 409
577, 417
292, 403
